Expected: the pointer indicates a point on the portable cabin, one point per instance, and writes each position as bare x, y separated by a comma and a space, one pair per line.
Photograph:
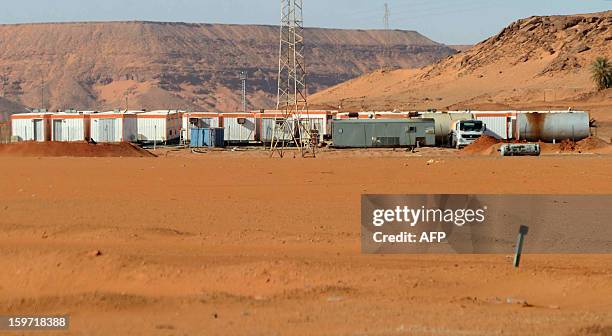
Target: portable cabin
272, 122
500, 124
240, 127
70, 126
319, 120
198, 120
115, 126
31, 126
378, 133
159, 126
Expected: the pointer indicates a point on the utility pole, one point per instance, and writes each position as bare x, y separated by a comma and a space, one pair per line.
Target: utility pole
292, 95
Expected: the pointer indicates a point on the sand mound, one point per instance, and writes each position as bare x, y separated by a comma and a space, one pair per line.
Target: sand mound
567, 146
72, 149
592, 143
485, 145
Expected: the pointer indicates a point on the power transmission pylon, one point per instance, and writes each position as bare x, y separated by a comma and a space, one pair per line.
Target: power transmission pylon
387, 38
292, 95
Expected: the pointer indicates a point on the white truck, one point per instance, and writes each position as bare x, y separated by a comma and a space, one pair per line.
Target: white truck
465, 132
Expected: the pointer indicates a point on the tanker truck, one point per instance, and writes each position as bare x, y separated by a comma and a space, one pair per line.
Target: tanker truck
455, 129
465, 132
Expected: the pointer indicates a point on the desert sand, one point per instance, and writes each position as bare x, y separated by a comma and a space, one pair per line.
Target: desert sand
230, 243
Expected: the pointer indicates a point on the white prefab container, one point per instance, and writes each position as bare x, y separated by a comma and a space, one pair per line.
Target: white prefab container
270, 123
500, 124
159, 126
199, 120
319, 120
31, 126
69, 126
114, 127
240, 127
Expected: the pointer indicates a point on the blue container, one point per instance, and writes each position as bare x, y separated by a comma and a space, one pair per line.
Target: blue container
207, 137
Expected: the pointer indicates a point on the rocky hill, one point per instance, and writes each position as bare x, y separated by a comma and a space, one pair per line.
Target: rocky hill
178, 65
534, 62
8, 107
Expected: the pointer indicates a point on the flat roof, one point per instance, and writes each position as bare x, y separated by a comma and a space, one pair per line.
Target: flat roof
380, 121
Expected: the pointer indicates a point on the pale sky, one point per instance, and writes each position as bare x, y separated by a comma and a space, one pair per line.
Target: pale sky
446, 21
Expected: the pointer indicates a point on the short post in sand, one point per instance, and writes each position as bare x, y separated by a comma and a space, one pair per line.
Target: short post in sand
519, 245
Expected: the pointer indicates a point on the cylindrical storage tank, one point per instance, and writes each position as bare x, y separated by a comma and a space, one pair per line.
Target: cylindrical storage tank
549, 127
443, 122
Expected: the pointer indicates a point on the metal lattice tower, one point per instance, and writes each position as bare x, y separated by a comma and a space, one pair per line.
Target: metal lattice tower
243, 78
292, 95
387, 47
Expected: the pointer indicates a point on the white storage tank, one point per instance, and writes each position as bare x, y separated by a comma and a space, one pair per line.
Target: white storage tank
31, 126
159, 126
114, 126
70, 126
199, 120
553, 126
240, 127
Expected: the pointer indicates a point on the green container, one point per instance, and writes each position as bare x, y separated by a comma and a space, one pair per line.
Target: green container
383, 133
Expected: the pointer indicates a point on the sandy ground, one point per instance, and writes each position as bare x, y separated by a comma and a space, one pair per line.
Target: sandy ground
236, 243
75, 149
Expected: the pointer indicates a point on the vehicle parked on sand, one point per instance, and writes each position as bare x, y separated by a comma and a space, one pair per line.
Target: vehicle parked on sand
465, 132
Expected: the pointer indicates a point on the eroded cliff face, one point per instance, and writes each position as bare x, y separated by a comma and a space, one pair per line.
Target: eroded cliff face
536, 62
177, 65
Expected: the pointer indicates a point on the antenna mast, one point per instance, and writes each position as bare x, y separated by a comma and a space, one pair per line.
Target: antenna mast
243, 79
292, 95
42, 90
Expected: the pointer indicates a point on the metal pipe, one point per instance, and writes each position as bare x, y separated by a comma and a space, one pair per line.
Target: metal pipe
519, 245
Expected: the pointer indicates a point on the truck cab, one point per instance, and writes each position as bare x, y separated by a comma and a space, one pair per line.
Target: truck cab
465, 132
